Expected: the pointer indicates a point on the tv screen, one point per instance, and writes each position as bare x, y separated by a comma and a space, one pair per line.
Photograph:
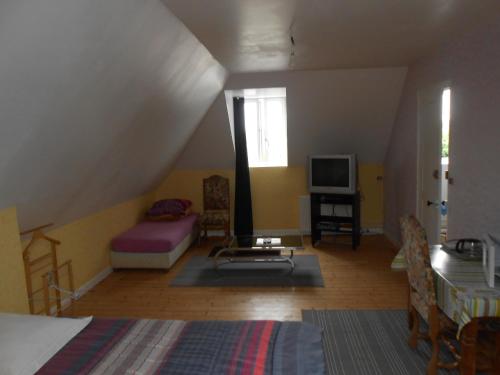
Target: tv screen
334, 174
330, 172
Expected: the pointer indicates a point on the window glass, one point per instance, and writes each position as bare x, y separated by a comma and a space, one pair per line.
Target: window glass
266, 131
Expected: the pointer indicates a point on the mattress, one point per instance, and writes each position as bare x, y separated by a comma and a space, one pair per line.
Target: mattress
154, 236
122, 346
153, 260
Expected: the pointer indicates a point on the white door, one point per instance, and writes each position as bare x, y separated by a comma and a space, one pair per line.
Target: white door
429, 161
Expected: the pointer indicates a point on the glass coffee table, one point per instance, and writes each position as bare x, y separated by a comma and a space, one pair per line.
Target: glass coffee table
255, 249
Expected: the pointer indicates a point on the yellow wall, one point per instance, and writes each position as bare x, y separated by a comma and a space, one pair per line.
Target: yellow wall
13, 296
85, 241
275, 193
372, 195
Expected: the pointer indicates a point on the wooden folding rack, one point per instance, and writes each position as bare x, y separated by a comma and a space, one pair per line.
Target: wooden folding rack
42, 263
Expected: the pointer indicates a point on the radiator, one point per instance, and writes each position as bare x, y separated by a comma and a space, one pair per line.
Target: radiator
305, 214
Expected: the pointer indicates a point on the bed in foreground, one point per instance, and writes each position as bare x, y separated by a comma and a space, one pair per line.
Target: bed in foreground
119, 346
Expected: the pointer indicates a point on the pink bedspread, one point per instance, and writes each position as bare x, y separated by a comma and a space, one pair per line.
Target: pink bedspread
154, 236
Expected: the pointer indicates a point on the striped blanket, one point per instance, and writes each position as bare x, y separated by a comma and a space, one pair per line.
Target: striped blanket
122, 346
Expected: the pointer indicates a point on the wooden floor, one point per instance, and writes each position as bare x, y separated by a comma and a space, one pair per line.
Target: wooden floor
360, 279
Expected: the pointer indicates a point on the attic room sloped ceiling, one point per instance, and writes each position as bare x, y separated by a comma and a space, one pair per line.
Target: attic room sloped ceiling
254, 35
328, 111
97, 99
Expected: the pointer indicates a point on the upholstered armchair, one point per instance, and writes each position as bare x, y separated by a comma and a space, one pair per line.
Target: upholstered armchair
216, 205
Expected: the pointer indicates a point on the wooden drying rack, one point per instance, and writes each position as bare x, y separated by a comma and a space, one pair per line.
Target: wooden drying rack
46, 263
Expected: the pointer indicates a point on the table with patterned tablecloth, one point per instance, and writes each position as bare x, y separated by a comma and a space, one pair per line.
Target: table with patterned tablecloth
464, 296
461, 289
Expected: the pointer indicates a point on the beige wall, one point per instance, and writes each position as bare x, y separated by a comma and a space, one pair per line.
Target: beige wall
328, 112
275, 193
470, 65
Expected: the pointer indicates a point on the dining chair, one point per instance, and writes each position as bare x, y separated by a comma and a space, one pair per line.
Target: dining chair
216, 205
422, 297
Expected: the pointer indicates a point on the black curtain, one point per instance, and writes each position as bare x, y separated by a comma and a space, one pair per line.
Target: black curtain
243, 216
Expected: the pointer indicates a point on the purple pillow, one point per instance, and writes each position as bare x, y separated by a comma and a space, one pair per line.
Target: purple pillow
174, 207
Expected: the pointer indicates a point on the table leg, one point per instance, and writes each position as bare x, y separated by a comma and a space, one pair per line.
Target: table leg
291, 261
496, 363
411, 319
468, 341
217, 255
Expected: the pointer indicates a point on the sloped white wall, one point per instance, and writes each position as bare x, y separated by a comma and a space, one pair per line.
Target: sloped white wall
97, 98
329, 111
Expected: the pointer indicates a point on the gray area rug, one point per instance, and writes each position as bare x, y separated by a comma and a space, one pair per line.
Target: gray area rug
200, 271
371, 342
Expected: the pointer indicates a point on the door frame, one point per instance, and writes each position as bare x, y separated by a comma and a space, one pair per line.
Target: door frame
442, 85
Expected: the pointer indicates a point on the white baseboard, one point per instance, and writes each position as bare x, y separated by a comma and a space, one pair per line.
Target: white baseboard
85, 288
392, 239
277, 232
215, 233
292, 231
364, 231
94, 281
258, 232
371, 231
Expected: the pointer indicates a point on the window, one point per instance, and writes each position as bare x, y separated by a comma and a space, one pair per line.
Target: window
266, 129
445, 120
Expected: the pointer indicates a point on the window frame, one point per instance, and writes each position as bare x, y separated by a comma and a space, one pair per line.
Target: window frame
263, 140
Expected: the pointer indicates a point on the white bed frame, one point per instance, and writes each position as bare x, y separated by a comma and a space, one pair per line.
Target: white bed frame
153, 260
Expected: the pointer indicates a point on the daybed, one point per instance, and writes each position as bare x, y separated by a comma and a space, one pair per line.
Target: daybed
56, 346
154, 244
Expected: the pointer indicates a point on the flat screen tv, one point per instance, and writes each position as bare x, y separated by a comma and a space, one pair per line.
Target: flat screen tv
332, 174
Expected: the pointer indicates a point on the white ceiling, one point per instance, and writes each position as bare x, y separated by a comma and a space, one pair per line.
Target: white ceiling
254, 35
97, 99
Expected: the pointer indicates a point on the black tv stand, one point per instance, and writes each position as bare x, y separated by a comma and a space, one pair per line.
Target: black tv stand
332, 223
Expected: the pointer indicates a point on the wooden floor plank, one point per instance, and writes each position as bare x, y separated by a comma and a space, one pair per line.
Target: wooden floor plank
360, 279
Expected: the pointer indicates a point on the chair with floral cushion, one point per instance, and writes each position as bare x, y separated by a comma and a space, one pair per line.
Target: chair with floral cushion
216, 205
422, 296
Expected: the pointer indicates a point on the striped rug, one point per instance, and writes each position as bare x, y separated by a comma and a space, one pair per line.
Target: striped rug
371, 342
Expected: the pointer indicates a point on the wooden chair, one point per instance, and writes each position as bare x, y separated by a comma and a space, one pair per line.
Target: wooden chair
422, 301
422, 296
216, 200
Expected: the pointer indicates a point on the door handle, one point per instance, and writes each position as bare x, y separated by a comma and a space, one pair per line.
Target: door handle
436, 203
